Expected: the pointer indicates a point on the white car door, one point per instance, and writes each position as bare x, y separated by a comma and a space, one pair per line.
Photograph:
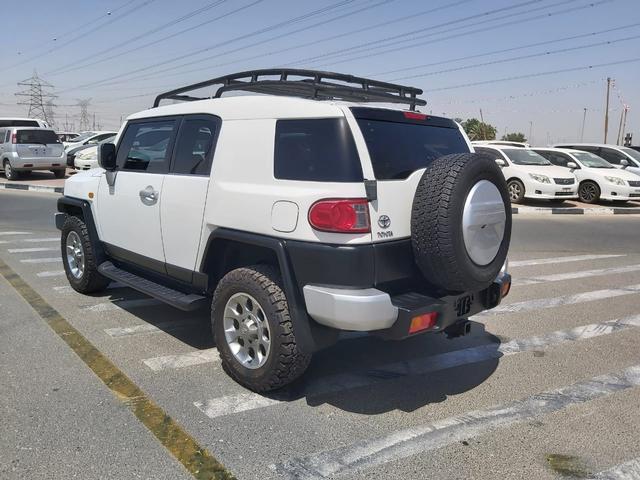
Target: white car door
128, 212
184, 194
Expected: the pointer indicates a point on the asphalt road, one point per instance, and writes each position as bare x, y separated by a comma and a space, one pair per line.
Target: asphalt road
547, 386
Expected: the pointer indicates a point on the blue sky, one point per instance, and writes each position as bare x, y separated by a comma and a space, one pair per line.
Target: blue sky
467, 55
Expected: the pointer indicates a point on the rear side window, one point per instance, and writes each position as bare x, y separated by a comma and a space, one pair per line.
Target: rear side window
36, 136
194, 147
398, 149
317, 150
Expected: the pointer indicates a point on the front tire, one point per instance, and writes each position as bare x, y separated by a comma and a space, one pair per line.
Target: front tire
253, 329
516, 191
9, 172
79, 258
589, 192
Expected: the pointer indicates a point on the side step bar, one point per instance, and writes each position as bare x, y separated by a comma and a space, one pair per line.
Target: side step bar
179, 300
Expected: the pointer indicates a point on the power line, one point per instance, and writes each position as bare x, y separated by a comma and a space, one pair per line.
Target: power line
505, 50
78, 64
84, 35
520, 57
533, 75
403, 35
285, 23
472, 32
244, 47
84, 25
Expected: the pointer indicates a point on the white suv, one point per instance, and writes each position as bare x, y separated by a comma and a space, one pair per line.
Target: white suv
298, 217
529, 175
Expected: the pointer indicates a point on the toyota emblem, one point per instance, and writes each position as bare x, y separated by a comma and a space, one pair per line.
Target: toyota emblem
384, 221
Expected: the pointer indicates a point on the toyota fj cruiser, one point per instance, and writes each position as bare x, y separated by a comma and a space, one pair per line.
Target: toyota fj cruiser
298, 213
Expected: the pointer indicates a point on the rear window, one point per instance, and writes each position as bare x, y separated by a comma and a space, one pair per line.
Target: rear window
317, 150
397, 149
37, 136
19, 123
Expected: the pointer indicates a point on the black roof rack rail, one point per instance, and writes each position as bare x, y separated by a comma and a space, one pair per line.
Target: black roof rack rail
312, 84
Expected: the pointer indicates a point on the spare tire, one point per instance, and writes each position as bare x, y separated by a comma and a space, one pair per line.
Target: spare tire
461, 222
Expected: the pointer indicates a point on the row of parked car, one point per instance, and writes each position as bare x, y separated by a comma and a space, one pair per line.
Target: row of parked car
28, 144
585, 171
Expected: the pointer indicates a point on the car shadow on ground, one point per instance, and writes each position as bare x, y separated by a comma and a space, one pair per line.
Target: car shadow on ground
574, 204
361, 373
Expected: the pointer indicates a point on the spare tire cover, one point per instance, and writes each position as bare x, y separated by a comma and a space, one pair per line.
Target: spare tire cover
461, 222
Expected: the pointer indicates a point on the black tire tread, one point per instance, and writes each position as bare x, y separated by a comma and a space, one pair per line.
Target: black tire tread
92, 281
432, 228
291, 362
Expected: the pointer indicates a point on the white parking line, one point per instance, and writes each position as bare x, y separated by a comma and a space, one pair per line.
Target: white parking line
146, 328
180, 361
542, 303
41, 260
420, 366
423, 438
51, 273
556, 277
627, 471
30, 240
123, 304
15, 233
546, 261
32, 250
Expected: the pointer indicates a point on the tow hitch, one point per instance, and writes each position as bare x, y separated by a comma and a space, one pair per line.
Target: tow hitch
458, 329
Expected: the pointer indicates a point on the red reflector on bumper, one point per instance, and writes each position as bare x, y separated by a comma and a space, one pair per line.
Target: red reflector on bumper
423, 322
504, 290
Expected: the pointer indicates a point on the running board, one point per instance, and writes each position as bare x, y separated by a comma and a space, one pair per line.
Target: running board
179, 300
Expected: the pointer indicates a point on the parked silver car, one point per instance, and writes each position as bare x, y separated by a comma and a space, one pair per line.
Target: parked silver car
23, 149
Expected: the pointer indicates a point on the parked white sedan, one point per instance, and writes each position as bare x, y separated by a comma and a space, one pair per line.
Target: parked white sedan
597, 178
530, 175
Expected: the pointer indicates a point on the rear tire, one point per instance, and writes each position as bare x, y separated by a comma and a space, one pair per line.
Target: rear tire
59, 173
9, 172
589, 192
253, 329
516, 191
79, 258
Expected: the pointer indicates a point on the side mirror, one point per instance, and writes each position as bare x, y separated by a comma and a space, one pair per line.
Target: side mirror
500, 162
624, 162
572, 165
107, 157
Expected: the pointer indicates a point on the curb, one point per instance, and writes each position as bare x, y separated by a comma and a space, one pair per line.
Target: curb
576, 211
31, 188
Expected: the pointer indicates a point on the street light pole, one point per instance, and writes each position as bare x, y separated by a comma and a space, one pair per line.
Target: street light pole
584, 119
606, 111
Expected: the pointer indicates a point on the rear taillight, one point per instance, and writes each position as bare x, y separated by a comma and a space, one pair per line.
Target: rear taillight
341, 215
14, 138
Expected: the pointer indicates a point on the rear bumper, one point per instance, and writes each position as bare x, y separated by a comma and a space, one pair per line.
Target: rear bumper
37, 163
371, 310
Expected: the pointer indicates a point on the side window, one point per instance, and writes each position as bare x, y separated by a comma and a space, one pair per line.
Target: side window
557, 158
195, 146
317, 150
146, 146
612, 156
495, 154
7, 136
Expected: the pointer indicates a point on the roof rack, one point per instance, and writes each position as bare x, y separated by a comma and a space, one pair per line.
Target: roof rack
312, 84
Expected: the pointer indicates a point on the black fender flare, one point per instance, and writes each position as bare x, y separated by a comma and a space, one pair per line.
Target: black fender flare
69, 206
310, 335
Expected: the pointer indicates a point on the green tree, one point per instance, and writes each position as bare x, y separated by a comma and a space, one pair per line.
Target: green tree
514, 137
477, 130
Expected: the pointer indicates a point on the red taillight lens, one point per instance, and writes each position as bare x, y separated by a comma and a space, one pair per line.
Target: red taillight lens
341, 216
415, 116
423, 322
14, 138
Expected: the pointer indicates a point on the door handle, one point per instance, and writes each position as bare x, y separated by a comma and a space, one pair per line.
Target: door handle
149, 196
